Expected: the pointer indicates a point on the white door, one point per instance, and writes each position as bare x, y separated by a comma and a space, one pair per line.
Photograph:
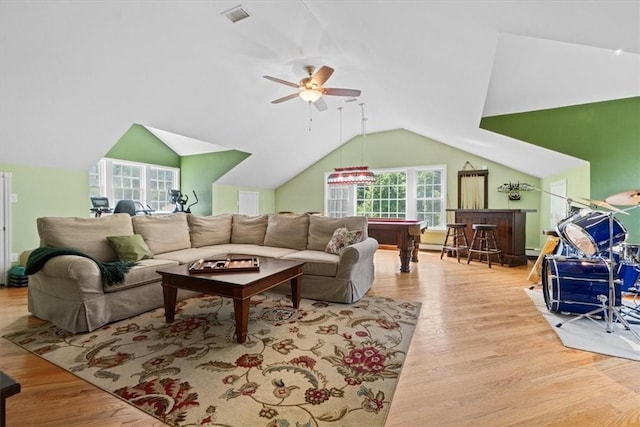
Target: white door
5, 225
248, 202
558, 202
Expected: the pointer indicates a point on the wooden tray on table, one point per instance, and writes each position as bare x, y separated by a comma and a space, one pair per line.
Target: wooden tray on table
226, 265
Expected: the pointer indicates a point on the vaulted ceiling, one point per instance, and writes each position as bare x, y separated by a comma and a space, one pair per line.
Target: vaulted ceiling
75, 75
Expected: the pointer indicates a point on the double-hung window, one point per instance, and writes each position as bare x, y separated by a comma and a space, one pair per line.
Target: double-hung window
144, 183
408, 193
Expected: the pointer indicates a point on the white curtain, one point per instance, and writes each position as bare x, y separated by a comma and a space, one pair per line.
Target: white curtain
472, 192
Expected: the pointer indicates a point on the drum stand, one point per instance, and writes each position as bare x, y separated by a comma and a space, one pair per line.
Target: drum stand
609, 311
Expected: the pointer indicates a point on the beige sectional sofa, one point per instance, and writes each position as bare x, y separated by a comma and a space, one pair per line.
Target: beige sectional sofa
69, 292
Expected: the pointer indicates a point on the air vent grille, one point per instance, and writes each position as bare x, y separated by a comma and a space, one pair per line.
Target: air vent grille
236, 14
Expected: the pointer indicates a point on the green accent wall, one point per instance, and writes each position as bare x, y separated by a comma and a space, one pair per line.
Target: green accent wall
225, 199
606, 134
139, 145
577, 182
400, 148
43, 192
199, 172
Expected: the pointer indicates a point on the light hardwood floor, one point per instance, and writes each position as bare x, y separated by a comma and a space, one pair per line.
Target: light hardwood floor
481, 355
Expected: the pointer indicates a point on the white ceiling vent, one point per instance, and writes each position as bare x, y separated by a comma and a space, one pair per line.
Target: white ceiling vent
236, 14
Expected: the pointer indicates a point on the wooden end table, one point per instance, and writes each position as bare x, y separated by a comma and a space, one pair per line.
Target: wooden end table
240, 286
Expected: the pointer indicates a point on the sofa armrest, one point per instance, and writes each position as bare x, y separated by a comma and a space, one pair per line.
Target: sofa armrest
70, 277
357, 258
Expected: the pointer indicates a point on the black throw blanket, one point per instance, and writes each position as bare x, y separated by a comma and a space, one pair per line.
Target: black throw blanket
111, 272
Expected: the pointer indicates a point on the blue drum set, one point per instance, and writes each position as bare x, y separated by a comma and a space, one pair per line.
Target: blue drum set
593, 266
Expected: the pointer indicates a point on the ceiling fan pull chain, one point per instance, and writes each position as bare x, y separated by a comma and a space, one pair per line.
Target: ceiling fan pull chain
340, 144
310, 116
363, 121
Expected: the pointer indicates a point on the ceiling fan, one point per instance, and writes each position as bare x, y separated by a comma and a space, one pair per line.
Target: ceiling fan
311, 89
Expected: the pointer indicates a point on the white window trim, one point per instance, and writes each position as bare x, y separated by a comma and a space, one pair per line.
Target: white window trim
443, 198
105, 169
411, 191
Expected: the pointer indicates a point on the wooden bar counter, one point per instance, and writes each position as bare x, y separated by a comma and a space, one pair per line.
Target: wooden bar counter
510, 232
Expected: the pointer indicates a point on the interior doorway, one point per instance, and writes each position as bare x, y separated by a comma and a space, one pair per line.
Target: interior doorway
558, 202
248, 202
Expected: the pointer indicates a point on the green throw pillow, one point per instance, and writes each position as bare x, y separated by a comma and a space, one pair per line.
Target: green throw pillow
130, 248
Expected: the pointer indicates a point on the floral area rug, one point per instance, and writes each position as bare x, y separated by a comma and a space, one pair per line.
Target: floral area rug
323, 364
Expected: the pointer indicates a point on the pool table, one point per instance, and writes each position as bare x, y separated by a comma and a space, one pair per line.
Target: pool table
403, 233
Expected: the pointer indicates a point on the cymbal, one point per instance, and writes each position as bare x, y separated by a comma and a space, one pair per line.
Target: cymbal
626, 198
604, 205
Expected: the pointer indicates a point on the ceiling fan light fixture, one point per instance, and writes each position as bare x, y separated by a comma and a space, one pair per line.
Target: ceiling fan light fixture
311, 88
310, 95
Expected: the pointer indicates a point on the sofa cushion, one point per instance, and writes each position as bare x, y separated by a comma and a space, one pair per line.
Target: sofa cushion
287, 231
209, 230
142, 273
248, 229
316, 263
87, 235
342, 238
163, 233
321, 229
130, 248
258, 250
186, 256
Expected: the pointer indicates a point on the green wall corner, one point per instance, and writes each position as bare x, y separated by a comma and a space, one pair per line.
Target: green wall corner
305, 192
200, 171
197, 172
43, 192
225, 199
137, 144
607, 134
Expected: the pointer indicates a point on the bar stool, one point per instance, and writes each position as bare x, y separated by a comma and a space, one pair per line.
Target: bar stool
455, 231
484, 243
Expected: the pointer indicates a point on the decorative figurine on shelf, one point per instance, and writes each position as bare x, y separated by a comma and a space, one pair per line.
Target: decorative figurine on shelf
180, 200
513, 190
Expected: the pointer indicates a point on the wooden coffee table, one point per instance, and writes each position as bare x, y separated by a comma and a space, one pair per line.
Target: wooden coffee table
239, 286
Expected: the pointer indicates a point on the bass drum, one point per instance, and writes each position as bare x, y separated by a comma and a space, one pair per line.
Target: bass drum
574, 285
629, 275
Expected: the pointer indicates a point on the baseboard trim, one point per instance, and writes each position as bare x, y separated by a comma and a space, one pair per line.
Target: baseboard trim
430, 247
530, 253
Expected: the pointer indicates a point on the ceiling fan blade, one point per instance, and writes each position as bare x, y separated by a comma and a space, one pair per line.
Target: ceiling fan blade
284, 82
285, 98
342, 92
320, 104
322, 75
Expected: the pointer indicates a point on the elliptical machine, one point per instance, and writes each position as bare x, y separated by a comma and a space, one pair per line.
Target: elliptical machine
180, 201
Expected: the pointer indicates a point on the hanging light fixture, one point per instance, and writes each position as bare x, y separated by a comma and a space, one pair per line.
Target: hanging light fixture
352, 175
